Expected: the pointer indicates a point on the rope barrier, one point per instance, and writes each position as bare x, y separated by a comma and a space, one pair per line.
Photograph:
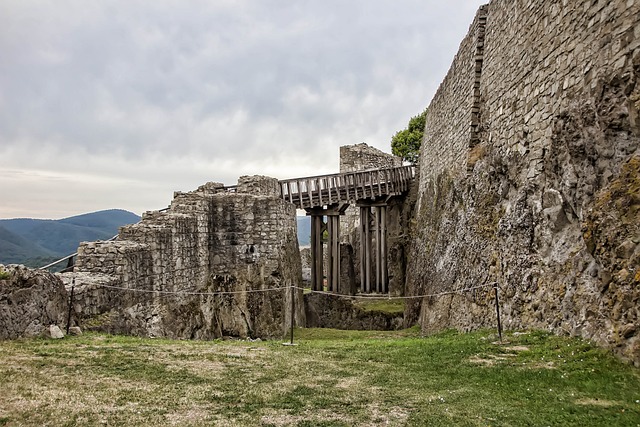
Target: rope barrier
186, 292
163, 292
396, 297
284, 288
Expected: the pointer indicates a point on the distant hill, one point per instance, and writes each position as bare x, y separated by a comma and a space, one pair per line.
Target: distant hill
35, 242
304, 230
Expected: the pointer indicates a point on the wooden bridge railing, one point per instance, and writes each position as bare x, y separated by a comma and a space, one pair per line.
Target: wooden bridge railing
323, 190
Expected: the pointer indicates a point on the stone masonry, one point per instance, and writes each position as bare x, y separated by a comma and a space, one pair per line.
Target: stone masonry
530, 172
160, 277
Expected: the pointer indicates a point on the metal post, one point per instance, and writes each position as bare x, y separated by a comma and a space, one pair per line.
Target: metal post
73, 285
495, 288
293, 308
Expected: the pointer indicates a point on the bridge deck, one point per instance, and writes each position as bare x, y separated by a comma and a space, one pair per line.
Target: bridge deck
324, 190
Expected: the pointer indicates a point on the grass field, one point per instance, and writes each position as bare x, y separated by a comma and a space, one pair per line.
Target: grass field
330, 378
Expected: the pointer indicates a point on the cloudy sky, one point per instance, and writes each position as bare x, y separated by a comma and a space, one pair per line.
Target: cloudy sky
116, 104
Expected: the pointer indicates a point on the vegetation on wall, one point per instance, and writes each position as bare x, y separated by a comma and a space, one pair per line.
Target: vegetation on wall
406, 142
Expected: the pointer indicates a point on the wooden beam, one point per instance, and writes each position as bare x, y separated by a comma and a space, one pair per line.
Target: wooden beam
330, 253
383, 248
333, 259
314, 248
336, 251
317, 269
367, 250
378, 250
361, 250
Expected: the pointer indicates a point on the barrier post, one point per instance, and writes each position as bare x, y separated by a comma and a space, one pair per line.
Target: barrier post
293, 302
495, 288
73, 285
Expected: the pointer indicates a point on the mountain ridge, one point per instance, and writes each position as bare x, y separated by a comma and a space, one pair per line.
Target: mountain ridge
35, 242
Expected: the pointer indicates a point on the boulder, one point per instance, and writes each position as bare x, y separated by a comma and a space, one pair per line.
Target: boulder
55, 332
30, 301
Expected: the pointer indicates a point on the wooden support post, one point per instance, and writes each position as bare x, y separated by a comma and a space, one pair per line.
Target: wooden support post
367, 249
317, 269
362, 253
320, 253
336, 253
383, 249
314, 248
333, 255
330, 254
378, 250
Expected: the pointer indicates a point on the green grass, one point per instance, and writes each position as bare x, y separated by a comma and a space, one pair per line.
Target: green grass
330, 378
392, 306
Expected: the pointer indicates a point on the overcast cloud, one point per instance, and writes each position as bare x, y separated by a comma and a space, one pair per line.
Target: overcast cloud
116, 104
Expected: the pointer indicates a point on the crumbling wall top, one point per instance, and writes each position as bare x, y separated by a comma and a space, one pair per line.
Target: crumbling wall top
259, 185
361, 156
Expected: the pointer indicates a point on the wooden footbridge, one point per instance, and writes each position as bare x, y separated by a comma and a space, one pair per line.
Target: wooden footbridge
329, 196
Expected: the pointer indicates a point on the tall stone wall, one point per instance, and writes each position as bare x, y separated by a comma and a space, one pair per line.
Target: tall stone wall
452, 116
162, 275
542, 196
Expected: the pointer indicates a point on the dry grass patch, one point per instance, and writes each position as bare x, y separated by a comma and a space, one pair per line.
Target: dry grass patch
331, 378
598, 402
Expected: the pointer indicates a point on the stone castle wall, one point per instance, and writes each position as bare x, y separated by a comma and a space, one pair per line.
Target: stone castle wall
452, 115
210, 240
529, 175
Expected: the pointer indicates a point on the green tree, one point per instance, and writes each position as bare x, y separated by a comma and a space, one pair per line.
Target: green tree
406, 143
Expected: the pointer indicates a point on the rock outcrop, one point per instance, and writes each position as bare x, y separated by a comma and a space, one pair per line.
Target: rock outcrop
30, 302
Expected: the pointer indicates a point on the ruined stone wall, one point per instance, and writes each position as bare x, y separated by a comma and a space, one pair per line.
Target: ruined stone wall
210, 240
548, 206
360, 157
